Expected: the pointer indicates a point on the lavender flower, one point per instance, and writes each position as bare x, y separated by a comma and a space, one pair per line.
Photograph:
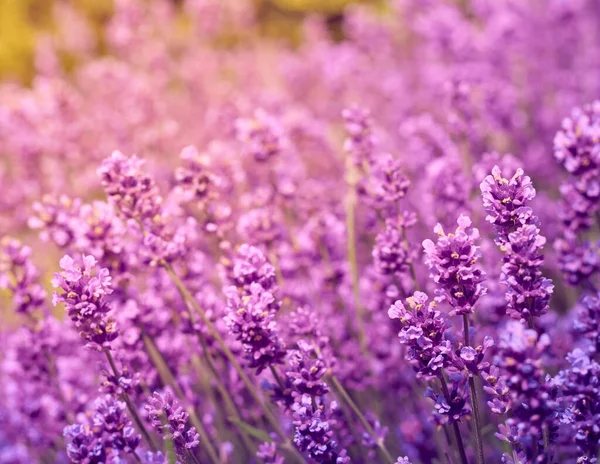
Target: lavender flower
109, 433
529, 397
306, 371
20, 277
452, 262
505, 201
361, 142
129, 188
261, 135
519, 238
249, 265
194, 182
267, 452
250, 319
84, 447
85, 302
391, 253
170, 420
386, 184
587, 322
580, 389
313, 432
424, 332
450, 410
528, 291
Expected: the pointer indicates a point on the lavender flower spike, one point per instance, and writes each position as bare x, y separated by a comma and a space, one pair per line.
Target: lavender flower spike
451, 264
84, 298
505, 201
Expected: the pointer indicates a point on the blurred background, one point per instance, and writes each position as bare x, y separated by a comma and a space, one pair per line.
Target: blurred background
23, 22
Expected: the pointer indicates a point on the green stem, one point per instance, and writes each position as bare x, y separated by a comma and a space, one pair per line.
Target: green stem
353, 260
130, 406
474, 401
365, 423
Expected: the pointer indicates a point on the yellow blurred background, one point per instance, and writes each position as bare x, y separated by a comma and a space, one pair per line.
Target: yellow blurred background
22, 21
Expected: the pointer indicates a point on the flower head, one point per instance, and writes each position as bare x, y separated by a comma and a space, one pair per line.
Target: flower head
452, 263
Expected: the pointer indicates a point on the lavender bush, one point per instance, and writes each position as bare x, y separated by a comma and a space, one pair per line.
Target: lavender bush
323, 253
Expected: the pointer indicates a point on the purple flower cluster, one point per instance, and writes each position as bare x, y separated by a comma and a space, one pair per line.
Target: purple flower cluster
452, 263
20, 277
168, 417
577, 150
518, 236
281, 199
84, 296
108, 434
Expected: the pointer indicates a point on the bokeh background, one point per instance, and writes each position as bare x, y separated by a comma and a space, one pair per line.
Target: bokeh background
23, 22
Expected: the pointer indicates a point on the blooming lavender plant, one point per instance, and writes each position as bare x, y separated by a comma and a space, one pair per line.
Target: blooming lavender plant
275, 208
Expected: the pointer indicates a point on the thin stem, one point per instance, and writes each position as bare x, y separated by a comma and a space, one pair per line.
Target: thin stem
137, 458
365, 423
232, 359
204, 438
474, 401
411, 266
353, 260
130, 406
276, 376
459, 441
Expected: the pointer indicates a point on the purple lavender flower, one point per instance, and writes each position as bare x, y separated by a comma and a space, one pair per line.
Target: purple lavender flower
20, 277
578, 260
306, 370
170, 420
452, 262
53, 216
423, 331
528, 291
313, 433
112, 425
576, 145
267, 453
129, 188
580, 390
361, 143
529, 397
449, 410
194, 182
403, 460
251, 320
505, 201
391, 253
85, 302
84, 446
261, 135
109, 433
519, 238
249, 265
386, 184
587, 321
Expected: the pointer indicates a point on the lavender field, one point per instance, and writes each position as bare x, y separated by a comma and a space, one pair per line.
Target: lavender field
376, 241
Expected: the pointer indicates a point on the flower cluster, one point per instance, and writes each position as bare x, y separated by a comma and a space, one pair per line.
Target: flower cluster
20, 277
84, 296
452, 263
108, 434
577, 149
170, 419
281, 199
518, 235
424, 332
